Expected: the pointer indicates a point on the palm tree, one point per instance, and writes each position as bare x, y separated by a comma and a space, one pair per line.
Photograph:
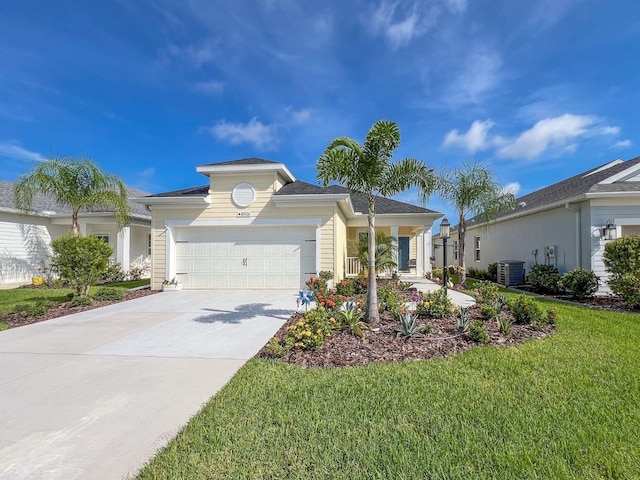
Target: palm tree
473, 190
368, 169
385, 251
80, 184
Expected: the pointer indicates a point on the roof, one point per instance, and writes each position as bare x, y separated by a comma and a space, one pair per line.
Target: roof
43, 203
202, 190
243, 161
384, 206
579, 185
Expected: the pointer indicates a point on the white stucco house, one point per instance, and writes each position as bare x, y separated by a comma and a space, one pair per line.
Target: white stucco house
25, 236
253, 225
566, 224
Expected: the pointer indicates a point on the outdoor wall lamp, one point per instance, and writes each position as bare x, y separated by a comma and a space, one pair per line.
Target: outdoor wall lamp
444, 233
609, 231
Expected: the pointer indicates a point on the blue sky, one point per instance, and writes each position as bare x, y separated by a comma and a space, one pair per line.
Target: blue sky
537, 90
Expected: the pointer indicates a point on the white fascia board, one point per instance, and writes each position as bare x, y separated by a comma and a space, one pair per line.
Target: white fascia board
177, 201
230, 169
32, 213
621, 175
305, 200
613, 194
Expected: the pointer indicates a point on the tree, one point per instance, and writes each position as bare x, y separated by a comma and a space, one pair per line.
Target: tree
385, 251
81, 260
473, 190
368, 169
80, 184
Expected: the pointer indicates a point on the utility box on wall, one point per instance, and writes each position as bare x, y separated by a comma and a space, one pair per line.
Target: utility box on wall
510, 272
550, 251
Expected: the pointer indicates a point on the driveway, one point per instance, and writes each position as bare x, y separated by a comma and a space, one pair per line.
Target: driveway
95, 394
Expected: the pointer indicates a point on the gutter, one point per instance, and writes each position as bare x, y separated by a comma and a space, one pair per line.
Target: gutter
578, 216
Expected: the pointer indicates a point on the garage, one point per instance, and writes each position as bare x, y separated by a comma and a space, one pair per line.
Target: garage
245, 257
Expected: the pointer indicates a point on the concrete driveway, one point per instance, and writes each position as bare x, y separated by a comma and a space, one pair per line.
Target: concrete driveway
95, 394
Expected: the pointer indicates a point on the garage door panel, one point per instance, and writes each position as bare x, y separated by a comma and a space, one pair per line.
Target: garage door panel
247, 257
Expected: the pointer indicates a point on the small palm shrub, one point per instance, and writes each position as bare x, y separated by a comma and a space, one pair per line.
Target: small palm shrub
109, 293
579, 283
478, 332
35, 309
525, 310
487, 293
544, 279
435, 304
81, 301
408, 326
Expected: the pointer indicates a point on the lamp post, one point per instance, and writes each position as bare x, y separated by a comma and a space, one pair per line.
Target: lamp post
444, 233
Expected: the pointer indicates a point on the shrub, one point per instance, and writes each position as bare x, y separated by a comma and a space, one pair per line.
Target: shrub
36, 309
487, 293
488, 312
544, 278
525, 310
478, 332
317, 285
113, 274
346, 287
408, 326
435, 304
463, 319
109, 293
326, 275
81, 300
310, 331
627, 287
389, 299
135, 273
81, 260
437, 274
504, 323
275, 348
351, 319
579, 283
3, 326
492, 272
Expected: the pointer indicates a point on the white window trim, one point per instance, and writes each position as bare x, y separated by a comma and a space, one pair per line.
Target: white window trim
477, 249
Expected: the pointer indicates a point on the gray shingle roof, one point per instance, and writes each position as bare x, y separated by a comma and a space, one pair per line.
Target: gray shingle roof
360, 203
242, 161
43, 203
202, 190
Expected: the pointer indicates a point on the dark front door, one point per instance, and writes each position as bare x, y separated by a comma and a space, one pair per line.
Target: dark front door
403, 253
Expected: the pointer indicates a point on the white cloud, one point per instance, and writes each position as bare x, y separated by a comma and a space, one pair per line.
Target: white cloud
622, 144
481, 73
398, 26
197, 56
513, 188
254, 132
11, 149
474, 140
299, 117
456, 6
558, 132
211, 87
606, 130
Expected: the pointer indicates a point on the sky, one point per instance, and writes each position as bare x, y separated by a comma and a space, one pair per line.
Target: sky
537, 91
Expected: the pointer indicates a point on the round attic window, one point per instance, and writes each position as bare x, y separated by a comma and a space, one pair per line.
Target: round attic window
243, 195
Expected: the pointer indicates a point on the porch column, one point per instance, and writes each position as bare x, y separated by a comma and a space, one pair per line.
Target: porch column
426, 248
123, 243
394, 234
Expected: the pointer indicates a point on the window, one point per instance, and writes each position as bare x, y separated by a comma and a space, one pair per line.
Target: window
104, 238
455, 249
362, 236
476, 248
148, 244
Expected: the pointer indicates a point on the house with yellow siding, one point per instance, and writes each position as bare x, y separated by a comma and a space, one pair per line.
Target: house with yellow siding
253, 225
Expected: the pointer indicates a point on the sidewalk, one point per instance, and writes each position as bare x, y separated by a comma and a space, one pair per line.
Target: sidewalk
424, 285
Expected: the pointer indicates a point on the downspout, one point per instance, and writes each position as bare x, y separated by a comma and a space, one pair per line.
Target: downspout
578, 236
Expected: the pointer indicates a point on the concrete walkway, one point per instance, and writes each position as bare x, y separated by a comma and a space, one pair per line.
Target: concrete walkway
95, 394
424, 285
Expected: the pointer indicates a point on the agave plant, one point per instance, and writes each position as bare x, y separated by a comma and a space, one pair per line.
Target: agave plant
408, 326
504, 323
463, 318
351, 319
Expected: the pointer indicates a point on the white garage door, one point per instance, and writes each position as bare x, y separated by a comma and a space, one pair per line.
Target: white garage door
245, 257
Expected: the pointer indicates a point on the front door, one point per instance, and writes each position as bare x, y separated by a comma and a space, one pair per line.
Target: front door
403, 253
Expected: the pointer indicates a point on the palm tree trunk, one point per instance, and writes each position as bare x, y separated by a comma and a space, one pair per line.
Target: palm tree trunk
372, 315
75, 228
462, 231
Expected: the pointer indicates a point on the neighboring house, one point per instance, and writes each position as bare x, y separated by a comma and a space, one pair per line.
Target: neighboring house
564, 224
25, 236
253, 225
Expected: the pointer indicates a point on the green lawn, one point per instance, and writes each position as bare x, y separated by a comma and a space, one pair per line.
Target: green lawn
10, 298
566, 407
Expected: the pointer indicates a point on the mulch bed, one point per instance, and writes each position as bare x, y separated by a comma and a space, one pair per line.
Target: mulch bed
62, 309
608, 302
343, 349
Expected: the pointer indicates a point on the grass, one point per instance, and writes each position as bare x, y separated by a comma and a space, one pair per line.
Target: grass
565, 407
16, 296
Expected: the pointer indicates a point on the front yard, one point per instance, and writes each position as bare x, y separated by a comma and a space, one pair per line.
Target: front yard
566, 406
